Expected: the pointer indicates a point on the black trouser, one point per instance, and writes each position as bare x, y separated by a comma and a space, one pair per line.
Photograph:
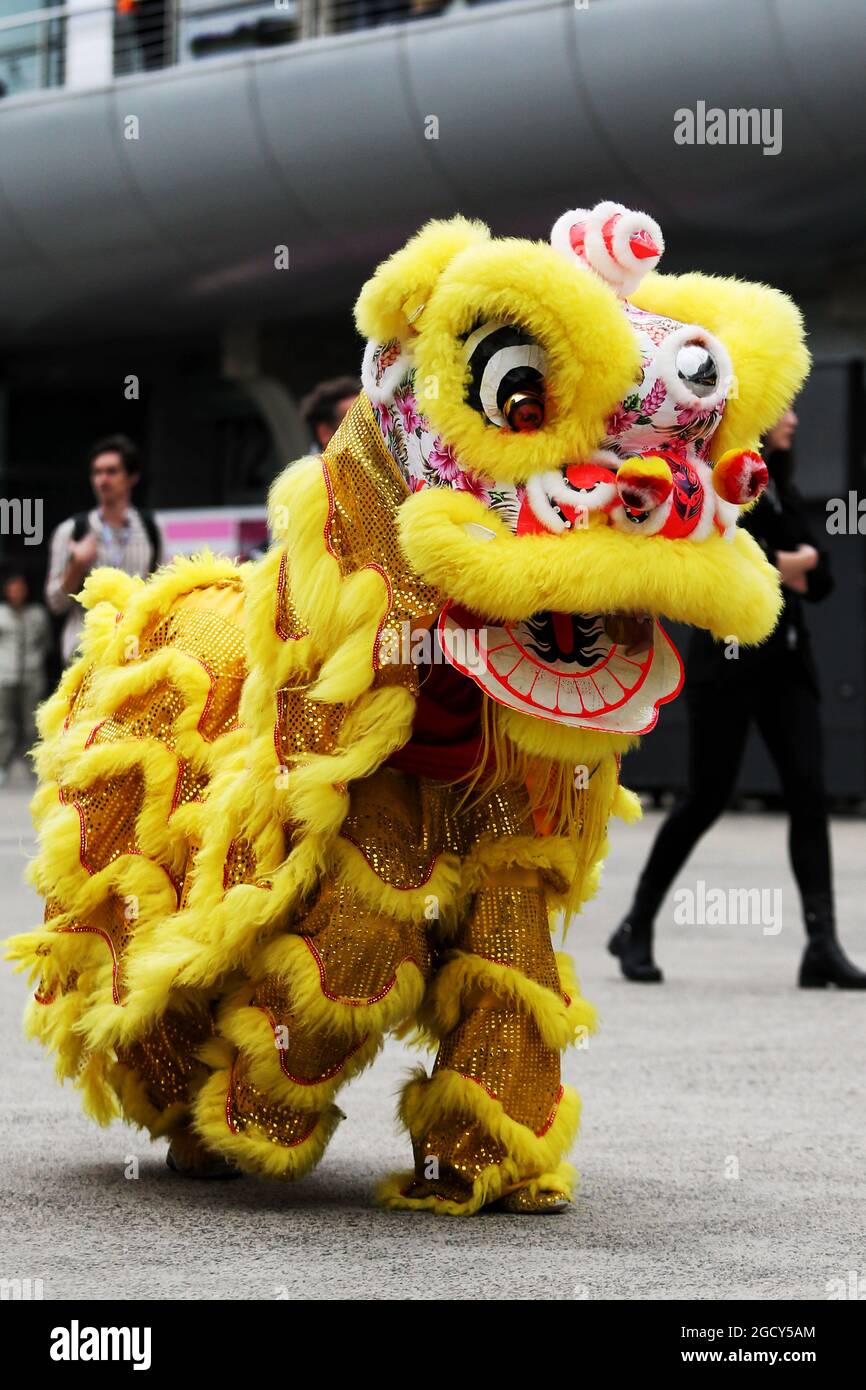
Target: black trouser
784, 705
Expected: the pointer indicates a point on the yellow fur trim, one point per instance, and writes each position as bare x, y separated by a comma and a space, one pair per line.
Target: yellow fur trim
554, 857
762, 330
726, 586
425, 1101
403, 284
559, 1023
137, 1107
442, 890
627, 806
542, 738
291, 959
249, 1030
54, 1026
487, 1188
250, 1149
94, 1086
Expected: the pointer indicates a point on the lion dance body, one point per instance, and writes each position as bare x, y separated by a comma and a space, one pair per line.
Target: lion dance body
270, 834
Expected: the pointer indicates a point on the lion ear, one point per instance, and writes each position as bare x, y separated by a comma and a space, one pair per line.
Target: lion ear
395, 295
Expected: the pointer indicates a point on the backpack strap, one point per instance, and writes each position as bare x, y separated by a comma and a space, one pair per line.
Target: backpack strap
148, 521
80, 526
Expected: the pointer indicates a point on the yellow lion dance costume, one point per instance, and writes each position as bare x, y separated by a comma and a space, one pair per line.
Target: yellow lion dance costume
272, 832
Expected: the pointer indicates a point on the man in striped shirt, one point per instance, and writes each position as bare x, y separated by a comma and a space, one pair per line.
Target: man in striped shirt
114, 533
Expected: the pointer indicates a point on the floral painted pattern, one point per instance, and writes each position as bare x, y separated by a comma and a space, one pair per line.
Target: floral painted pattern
426, 460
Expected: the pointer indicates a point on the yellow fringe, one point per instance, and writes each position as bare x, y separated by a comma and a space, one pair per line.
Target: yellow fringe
251, 1150
425, 1100
249, 1030
559, 1023
571, 799
488, 1187
290, 958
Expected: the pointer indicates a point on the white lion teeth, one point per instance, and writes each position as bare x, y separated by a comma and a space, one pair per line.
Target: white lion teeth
541, 491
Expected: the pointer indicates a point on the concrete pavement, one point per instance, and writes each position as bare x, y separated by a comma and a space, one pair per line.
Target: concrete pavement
723, 1149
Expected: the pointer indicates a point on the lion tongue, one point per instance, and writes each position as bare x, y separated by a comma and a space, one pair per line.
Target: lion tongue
564, 632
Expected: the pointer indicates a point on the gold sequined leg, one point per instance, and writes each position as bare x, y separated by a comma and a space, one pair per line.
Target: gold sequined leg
157, 1076
319, 1003
493, 1118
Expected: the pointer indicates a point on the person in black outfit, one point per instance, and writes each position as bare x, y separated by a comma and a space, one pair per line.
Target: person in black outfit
776, 685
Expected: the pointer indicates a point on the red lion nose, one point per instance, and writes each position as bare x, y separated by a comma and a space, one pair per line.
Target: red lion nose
644, 482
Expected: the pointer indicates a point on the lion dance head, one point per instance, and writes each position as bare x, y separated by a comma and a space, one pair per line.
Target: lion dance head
578, 436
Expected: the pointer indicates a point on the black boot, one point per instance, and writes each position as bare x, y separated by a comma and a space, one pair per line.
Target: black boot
632, 944
824, 962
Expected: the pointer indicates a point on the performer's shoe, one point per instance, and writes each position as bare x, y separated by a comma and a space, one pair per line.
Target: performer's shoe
635, 956
188, 1157
523, 1202
824, 962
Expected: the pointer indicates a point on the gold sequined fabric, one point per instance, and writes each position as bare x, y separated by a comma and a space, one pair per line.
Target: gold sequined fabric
240, 866
150, 715
366, 490
503, 1052
287, 621
509, 925
207, 624
523, 1202
451, 1156
191, 786
108, 811
402, 823
358, 951
305, 726
386, 822
309, 1057
164, 1059
503, 811
248, 1106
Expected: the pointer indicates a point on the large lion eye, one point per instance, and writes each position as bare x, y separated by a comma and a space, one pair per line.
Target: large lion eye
506, 375
697, 369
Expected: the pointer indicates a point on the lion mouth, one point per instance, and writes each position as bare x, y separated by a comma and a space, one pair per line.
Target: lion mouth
603, 671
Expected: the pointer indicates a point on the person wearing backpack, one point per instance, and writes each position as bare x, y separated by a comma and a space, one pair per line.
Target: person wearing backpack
114, 533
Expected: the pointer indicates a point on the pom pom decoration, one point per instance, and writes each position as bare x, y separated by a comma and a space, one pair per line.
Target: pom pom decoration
643, 483
740, 476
